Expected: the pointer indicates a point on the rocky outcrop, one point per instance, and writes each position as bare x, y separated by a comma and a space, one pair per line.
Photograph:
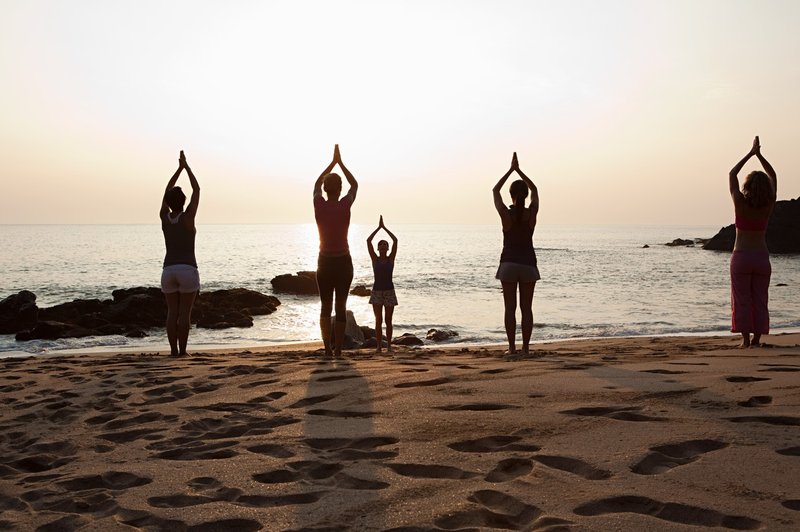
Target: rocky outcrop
783, 231
440, 335
18, 312
304, 283
407, 339
361, 291
132, 311
680, 242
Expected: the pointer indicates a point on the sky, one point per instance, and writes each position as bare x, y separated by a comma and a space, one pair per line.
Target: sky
622, 112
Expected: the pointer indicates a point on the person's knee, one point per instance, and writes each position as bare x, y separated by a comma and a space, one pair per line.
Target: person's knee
184, 322
326, 309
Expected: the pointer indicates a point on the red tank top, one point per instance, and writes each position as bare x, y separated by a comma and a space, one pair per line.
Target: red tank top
333, 221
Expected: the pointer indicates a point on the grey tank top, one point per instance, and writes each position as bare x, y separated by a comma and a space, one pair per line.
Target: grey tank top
179, 241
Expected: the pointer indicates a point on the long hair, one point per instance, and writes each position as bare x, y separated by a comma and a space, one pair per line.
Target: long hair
757, 189
519, 191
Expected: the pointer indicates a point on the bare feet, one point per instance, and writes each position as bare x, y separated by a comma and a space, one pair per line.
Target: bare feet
389, 348
378, 349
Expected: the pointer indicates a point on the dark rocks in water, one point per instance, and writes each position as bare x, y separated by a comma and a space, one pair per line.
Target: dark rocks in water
52, 330
783, 230
353, 335
368, 332
304, 283
133, 310
407, 339
18, 312
361, 291
372, 343
440, 335
645, 246
680, 242
781, 284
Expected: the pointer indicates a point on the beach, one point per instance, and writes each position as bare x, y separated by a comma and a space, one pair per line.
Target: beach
646, 433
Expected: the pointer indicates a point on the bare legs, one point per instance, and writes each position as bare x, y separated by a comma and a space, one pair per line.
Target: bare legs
179, 317
378, 310
510, 318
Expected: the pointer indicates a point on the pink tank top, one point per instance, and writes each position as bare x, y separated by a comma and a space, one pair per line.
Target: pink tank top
333, 221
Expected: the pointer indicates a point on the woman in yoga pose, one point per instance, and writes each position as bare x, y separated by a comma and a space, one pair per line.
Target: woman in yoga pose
750, 266
518, 267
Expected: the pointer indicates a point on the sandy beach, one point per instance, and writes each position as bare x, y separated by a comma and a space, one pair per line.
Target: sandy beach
663, 433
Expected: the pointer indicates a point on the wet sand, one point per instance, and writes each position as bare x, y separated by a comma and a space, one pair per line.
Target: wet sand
612, 434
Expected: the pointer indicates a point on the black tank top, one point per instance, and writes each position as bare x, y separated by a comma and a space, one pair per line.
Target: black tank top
179, 241
518, 244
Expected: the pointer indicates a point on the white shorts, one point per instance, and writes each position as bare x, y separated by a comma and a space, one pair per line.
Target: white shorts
511, 272
182, 278
386, 298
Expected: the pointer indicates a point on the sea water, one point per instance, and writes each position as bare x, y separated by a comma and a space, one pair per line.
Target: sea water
596, 280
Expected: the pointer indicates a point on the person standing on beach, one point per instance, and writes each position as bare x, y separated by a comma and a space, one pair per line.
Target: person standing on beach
383, 296
750, 266
334, 265
180, 280
518, 267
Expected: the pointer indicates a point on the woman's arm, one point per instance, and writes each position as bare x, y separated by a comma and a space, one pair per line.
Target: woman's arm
194, 202
733, 175
532, 187
321, 178
393, 252
349, 176
172, 180
498, 200
767, 167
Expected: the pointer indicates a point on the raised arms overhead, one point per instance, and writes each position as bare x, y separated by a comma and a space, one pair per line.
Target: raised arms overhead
194, 201
531, 186
172, 180
393, 251
321, 178
349, 176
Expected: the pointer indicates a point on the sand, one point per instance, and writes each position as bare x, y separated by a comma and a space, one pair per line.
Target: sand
612, 434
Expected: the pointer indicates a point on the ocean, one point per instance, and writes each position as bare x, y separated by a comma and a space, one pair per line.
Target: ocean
596, 280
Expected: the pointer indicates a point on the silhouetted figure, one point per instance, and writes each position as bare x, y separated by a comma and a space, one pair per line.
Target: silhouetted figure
180, 280
383, 296
334, 265
750, 266
518, 267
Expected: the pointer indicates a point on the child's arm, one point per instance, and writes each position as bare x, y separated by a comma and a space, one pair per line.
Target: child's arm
372, 253
393, 253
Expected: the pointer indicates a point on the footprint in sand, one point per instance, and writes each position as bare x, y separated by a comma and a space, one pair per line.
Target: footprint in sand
205, 490
492, 444
431, 471
70, 522
791, 369
769, 420
574, 466
745, 378
273, 450
669, 456
792, 504
432, 382
663, 371
756, 400
343, 449
142, 520
622, 413
667, 511
319, 473
311, 401
110, 480
509, 469
495, 510
790, 451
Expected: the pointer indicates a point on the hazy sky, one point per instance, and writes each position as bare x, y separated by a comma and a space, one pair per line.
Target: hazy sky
621, 111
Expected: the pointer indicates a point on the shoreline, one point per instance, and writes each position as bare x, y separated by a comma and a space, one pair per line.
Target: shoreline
302, 346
